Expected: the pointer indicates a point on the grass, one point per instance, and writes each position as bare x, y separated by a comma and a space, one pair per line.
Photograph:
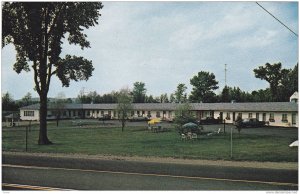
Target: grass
137, 141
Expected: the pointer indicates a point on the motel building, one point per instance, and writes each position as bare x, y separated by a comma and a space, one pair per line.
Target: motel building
284, 114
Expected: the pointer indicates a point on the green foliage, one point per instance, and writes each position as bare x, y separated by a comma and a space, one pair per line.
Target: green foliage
124, 106
164, 98
8, 103
180, 93
203, 85
183, 115
73, 68
139, 92
270, 73
26, 100
225, 95
151, 99
283, 82
94, 97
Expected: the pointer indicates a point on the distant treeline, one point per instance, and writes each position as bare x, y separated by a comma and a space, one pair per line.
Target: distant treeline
282, 84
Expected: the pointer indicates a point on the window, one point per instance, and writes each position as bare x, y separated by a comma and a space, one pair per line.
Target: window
284, 118
250, 116
271, 118
29, 113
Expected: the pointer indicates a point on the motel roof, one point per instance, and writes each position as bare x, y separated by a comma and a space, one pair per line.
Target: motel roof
247, 106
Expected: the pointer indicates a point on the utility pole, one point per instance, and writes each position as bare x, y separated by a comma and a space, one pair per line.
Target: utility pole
225, 75
231, 144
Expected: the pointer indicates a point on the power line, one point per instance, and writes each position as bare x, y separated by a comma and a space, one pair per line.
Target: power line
277, 19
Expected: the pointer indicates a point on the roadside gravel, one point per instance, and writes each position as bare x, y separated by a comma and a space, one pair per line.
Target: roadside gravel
248, 164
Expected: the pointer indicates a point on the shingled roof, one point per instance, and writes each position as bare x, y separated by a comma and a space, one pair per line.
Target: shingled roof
249, 106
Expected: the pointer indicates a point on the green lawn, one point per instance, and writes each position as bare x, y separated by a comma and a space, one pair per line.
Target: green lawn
137, 141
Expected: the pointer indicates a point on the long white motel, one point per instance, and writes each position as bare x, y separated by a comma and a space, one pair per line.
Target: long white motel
283, 114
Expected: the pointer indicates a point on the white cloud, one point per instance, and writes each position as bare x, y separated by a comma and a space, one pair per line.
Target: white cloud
255, 40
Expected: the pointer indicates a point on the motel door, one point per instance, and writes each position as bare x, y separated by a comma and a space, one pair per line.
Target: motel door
221, 116
233, 116
264, 116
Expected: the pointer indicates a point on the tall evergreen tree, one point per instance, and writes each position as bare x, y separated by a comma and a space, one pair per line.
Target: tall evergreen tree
139, 92
180, 93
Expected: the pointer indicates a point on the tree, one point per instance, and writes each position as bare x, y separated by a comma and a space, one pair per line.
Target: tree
225, 95
272, 74
204, 83
93, 96
139, 92
172, 98
26, 100
151, 99
180, 95
236, 94
164, 98
8, 103
124, 106
59, 106
261, 95
36, 29
183, 115
288, 84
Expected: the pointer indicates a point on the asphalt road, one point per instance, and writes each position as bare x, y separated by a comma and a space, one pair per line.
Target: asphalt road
100, 174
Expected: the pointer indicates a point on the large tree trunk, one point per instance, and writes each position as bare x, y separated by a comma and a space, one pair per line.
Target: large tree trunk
43, 138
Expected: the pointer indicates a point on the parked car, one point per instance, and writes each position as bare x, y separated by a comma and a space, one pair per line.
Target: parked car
210, 120
253, 122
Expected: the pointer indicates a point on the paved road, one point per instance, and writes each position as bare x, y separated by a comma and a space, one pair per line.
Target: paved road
100, 174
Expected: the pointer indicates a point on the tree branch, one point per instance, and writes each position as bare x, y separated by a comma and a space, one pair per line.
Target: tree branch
61, 10
37, 85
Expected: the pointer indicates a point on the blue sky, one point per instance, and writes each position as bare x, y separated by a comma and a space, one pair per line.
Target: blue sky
166, 43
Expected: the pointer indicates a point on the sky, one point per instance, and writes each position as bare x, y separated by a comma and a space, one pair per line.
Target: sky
166, 43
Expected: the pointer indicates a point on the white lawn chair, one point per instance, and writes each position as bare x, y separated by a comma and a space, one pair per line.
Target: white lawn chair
183, 136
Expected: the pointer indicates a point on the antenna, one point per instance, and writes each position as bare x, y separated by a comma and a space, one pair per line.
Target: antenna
225, 75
